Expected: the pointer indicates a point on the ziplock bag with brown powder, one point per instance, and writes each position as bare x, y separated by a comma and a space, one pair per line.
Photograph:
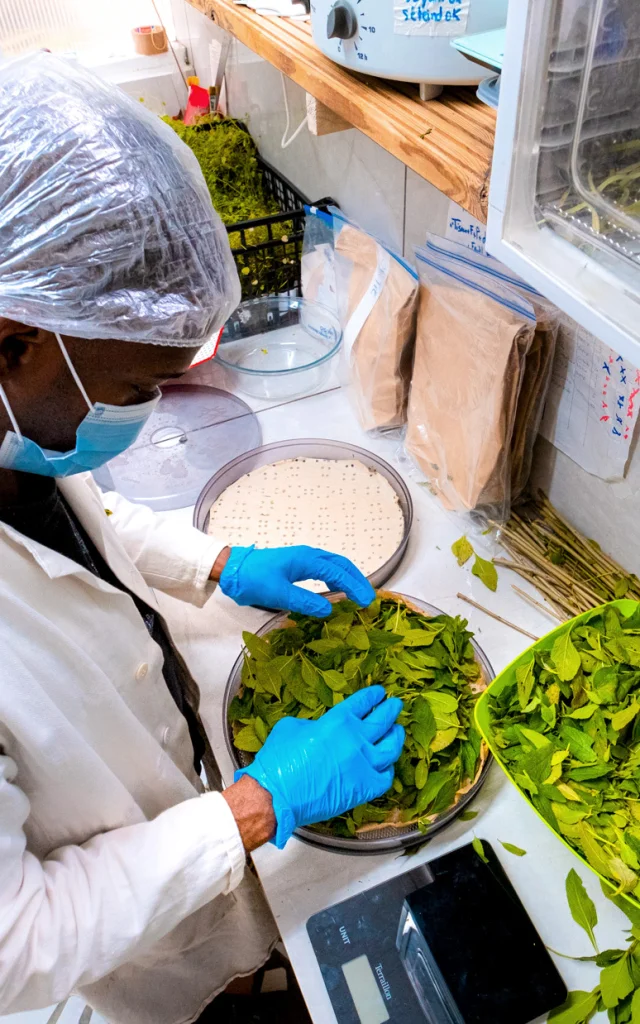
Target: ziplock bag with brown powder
473, 336
376, 296
539, 361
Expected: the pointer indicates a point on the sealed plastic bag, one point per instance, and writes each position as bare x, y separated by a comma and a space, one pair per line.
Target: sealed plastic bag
539, 361
377, 301
473, 336
318, 273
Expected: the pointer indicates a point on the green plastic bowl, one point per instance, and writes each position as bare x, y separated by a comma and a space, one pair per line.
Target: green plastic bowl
507, 676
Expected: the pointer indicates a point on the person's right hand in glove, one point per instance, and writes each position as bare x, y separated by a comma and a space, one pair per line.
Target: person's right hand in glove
315, 770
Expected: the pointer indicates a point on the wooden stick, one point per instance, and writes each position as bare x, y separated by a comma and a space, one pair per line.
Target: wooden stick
536, 604
498, 618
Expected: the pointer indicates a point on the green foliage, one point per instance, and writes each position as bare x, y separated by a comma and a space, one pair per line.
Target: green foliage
486, 572
306, 668
228, 159
578, 1008
479, 848
568, 731
582, 907
618, 990
517, 851
462, 549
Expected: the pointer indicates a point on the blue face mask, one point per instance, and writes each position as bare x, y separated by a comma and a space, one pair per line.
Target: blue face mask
106, 431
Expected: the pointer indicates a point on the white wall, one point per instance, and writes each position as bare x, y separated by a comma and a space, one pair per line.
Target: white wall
378, 191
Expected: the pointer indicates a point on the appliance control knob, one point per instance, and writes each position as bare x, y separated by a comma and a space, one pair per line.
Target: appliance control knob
342, 21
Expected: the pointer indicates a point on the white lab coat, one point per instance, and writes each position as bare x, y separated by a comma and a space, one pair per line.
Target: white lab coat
119, 878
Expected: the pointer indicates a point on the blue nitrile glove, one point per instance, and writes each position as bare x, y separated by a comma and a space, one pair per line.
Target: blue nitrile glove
317, 770
265, 577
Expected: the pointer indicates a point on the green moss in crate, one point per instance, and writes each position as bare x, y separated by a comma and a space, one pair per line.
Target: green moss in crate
229, 161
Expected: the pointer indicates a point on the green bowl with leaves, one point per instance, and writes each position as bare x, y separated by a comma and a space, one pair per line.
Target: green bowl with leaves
300, 666
563, 722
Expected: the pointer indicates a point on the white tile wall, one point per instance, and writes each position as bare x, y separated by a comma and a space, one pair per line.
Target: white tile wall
393, 202
364, 179
608, 513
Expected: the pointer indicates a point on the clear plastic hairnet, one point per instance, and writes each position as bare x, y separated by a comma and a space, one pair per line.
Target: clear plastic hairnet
106, 225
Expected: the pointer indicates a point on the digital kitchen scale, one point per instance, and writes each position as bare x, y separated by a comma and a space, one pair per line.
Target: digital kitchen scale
446, 943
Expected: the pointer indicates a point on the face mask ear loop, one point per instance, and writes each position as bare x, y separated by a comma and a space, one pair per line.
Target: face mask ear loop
14, 422
74, 372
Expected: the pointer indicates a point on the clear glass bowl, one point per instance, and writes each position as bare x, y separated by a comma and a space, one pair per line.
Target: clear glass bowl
384, 839
279, 347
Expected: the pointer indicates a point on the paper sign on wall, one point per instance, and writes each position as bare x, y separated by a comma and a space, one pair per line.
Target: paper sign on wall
465, 229
430, 17
593, 402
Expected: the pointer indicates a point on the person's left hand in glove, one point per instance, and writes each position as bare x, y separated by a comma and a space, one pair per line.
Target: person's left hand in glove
267, 576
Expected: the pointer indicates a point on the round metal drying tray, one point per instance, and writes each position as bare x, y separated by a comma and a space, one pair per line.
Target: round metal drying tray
382, 840
310, 448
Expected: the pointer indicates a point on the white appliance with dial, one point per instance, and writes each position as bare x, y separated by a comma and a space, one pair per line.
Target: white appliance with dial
405, 40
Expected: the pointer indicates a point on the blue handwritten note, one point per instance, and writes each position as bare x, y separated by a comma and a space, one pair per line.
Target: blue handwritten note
593, 402
430, 17
465, 229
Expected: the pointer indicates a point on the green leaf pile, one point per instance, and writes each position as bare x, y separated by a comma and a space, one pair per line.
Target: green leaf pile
309, 665
568, 730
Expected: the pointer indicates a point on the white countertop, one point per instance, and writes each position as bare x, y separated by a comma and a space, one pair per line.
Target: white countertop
301, 880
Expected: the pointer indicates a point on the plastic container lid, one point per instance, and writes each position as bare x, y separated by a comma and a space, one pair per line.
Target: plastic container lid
193, 432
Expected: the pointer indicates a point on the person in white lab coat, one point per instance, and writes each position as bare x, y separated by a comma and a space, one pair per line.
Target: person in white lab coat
120, 877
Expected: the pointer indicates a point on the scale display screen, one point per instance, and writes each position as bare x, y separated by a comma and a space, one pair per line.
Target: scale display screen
364, 990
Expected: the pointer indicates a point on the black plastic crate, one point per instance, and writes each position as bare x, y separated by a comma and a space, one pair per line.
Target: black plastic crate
268, 250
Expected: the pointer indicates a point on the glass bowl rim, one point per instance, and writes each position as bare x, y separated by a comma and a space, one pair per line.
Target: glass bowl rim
293, 302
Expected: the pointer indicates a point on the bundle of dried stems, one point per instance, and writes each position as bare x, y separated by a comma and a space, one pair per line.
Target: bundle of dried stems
572, 572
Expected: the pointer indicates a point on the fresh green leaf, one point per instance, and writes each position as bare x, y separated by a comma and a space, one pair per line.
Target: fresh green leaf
428, 794
525, 679
247, 739
421, 774
635, 1007
578, 1008
479, 848
517, 851
462, 550
615, 983
592, 850
443, 738
621, 587
622, 718
582, 907
565, 657
335, 680
258, 648
326, 645
358, 638
261, 729
421, 637
486, 572
467, 815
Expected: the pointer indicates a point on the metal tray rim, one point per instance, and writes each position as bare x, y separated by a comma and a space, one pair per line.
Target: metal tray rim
287, 448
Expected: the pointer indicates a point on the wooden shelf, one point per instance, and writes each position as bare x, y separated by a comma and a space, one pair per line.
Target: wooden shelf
448, 141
